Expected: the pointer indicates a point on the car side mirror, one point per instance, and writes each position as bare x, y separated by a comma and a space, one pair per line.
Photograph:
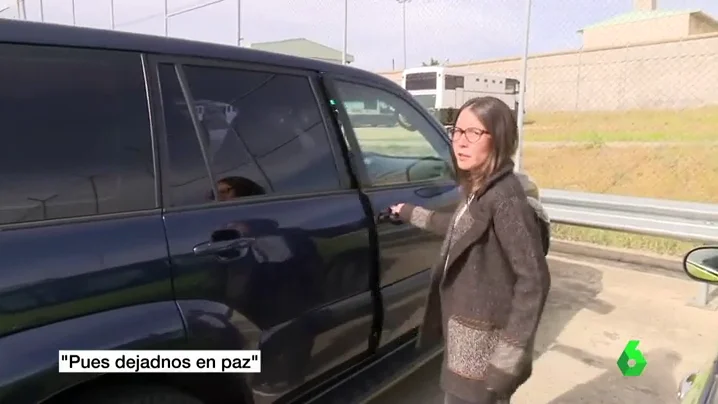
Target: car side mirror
701, 264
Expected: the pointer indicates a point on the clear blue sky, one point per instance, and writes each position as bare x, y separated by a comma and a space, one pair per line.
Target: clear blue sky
458, 30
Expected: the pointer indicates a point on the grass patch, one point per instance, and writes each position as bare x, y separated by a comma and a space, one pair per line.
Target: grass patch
700, 124
617, 239
395, 141
686, 172
691, 125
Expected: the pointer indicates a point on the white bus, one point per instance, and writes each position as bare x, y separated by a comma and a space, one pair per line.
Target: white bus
443, 90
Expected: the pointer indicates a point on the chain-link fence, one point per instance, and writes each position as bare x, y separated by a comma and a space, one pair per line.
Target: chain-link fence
584, 57
382, 35
636, 72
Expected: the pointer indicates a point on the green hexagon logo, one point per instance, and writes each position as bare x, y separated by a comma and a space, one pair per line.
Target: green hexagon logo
631, 362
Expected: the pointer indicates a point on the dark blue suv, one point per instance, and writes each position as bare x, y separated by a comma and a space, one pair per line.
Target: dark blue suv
159, 193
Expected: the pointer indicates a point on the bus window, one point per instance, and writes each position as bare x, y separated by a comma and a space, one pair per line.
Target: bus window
453, 82
512, 86
421, 81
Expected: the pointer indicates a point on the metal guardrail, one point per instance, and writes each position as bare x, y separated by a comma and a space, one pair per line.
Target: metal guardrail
688, 221
655, 217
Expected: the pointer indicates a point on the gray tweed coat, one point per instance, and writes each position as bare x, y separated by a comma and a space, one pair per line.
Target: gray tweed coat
489, 287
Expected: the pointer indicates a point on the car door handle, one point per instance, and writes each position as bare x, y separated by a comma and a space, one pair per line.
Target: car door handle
217, 247
386, 216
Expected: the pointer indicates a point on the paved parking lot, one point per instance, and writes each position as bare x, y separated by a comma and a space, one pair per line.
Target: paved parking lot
593, 310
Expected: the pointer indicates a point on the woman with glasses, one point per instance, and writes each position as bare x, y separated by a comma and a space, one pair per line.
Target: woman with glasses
490, 283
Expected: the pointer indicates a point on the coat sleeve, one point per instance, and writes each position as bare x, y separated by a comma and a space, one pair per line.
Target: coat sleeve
426, 219
520, 239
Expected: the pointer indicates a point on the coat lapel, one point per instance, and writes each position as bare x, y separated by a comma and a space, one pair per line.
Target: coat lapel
471, 226
432, 325
439, 267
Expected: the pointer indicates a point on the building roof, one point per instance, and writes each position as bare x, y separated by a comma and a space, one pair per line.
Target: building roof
638, 16
302, 47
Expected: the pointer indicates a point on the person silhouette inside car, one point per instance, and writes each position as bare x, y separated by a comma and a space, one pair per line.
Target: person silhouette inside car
229, 188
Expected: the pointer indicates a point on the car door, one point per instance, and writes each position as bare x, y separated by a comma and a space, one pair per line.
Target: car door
401, 156
269, 244
80, 226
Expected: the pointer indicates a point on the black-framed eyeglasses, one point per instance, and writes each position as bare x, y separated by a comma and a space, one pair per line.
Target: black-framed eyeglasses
472, 134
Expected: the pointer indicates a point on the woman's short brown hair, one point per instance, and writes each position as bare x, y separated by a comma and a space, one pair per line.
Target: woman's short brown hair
498, 119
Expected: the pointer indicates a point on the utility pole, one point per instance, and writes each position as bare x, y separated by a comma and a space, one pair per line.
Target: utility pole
239, 22
346, 29
522, 88
112, 14
166, 19
403, 21
21, 9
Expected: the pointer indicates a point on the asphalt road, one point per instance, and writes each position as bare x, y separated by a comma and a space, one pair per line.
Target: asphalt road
593, 310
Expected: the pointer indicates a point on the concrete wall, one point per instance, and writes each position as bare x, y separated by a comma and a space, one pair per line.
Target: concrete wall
657, 29
658, 75
700, 25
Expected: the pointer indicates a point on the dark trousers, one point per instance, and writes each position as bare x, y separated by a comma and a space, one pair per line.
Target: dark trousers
450, 399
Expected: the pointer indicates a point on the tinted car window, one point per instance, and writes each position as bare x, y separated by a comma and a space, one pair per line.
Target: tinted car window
188, 180
75, 134
264, 126
263, 132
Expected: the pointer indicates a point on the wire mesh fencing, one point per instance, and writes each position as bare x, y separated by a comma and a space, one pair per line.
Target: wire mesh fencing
640, 73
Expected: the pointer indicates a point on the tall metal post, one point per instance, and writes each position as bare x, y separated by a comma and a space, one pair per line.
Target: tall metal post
42, 11
166, 19
21, 10
346, 31
74, 18
239, 22
403, 19
522, 88
112, 14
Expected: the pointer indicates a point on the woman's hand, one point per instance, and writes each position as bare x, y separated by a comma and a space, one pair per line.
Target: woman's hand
395, 209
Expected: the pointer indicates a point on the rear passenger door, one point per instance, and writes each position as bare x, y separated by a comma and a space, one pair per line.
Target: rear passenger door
269, 244
80, 226
400, 156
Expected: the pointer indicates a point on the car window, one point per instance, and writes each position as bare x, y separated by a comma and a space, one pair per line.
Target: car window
713, 384
262, 133
398, 145
188, 180
76, 134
